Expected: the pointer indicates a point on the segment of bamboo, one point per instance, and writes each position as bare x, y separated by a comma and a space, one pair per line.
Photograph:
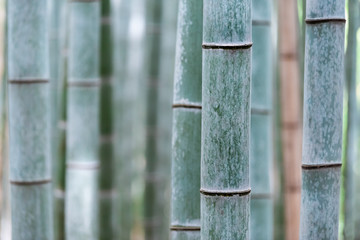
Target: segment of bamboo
261, 221
225, 199
83, 121
106, 182
153, 209
290, 114
322, 138
186, 142
29, 120
123, 120
351, 132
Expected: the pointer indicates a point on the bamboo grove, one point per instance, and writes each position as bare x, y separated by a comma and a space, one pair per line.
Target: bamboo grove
179, 119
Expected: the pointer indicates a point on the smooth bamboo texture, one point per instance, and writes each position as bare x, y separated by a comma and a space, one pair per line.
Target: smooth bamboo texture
348, 230
225, 188
291, 128
123, 120
106, 179
83, 121
154, 206
29, 120
322, 138
261, 153
186, 137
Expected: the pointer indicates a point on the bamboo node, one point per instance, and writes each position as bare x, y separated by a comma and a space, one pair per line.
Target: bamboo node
321, 165
193, 106
28, 81
84, 83
261, 22
227, 46
184, 228
29, 183
324, 20
225, 193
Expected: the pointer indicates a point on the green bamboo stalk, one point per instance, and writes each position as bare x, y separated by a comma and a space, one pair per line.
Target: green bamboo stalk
29, 120
186, 143
351, 131
106, 181
83, 121
123, 120
261, 154
153, 209
225, 198
322, 138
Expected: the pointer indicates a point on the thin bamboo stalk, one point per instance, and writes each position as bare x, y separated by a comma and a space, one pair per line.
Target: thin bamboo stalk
153, 210
29, 120
83, 121
322, 138
186, 142
351, 132
225, 198
106, 182
291, 114
261, 153
123, 120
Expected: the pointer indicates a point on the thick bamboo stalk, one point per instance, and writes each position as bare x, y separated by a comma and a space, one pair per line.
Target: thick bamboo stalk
106, 182
153, 209
123, 120
351, 131
186, 139
29, 120
225, 188
261, 153
322, 138
83, 121
290, 114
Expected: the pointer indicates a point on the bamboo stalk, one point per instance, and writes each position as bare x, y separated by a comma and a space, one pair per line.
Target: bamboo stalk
83, 121
123, 120
322, 138
186, 142
106, 182
261, 224
351, 132
29, 120
291, 114
225, 199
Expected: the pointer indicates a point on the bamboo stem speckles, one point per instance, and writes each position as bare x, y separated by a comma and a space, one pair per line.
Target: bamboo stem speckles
225, 206
322, 138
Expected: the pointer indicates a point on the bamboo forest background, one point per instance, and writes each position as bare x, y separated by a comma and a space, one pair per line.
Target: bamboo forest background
138, 74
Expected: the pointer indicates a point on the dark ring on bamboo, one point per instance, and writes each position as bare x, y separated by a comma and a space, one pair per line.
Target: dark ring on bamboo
76, 165
193, 106
227, 46
84, 1
83, 84
324, 20
288, 56
260, 111
184, 228
29, 183
261, 22
28, 81
261, 195
325, 165
225, 193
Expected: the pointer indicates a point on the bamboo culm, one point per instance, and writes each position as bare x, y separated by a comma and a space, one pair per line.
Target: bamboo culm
225, 189
29, 119
106, 188
83, 121
186, 139
261, 221
351, 132
322, 137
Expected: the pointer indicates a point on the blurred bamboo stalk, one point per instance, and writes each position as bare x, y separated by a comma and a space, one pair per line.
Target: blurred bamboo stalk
83, 121
351, 134
261, 148
290, 114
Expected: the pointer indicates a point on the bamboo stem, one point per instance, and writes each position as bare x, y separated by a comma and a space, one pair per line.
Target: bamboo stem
225, 199
186, 143
322, 138
83, 121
